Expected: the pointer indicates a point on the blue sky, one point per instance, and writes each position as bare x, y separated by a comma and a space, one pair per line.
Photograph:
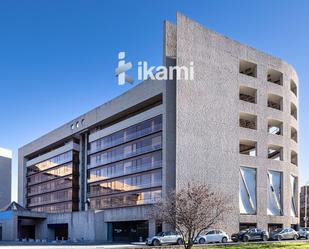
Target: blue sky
57, 57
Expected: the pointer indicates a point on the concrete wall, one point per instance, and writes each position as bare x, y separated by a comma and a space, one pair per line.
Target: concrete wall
138, 213
88, 225
207, 120
8, 222
81, 225
5, 181
169, 117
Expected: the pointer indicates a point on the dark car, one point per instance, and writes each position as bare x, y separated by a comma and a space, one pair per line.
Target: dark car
250, 234
284, 233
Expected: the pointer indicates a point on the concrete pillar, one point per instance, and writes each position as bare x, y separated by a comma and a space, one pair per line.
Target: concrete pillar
109, 232
151, 228
104, 236
40, 229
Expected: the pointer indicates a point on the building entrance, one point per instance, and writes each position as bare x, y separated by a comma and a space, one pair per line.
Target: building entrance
60, 231
27, 232
132, 231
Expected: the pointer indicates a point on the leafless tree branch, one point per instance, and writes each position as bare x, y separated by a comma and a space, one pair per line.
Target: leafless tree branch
191, 211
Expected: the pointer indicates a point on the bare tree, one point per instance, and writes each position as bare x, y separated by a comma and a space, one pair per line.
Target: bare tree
191, 211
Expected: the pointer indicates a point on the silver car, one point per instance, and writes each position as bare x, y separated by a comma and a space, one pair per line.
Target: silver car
284, 233
303, 233
171, 238
213, 236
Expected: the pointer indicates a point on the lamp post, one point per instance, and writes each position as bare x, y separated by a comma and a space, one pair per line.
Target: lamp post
306, 202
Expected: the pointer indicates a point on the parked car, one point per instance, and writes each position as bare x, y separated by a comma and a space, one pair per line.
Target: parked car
250, 235
284, 233
212, 236
165, 238
303, 233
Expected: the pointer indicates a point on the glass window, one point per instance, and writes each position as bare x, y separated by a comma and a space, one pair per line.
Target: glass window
247, 190
294, 191
144, 128
135, 148
274, 193
53, 162
128, 183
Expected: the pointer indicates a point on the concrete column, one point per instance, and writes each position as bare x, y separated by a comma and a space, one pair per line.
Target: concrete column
104, 235
151, 228
40, 229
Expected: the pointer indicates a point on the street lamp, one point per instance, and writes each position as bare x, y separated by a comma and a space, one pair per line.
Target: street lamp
306, 201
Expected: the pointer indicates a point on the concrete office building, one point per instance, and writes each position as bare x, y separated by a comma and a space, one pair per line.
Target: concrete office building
5, 177
233, 127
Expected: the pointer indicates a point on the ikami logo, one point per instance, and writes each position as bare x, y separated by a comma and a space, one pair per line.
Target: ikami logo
153, 73
121, 70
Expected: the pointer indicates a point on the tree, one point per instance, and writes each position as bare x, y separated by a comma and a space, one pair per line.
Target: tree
191, 211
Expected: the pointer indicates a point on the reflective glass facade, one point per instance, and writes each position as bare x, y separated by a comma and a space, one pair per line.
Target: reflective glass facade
274, 193
128, 199
247, 191
128, 134
126, 169
137, 164
51, 163
294, 196
52, 185
135, 148
127, 183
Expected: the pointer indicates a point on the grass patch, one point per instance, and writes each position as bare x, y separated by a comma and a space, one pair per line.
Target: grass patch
284, 245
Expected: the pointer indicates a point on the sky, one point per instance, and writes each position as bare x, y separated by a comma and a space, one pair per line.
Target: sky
57, 57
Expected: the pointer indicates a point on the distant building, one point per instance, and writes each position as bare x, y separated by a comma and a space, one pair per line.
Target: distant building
302, 206
5, 177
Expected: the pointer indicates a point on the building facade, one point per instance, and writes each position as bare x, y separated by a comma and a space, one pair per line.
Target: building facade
233, 127
5, 177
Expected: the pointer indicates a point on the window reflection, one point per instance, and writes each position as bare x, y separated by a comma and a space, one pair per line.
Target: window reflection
132, 199
53, 162
63, 195
128, 134
61, 183
52, 186
135, 148
135, 165
55, 208
146, 180
51, 174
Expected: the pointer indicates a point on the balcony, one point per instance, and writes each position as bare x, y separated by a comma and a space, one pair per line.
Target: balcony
275, 127
248, 121
248, 68
275, 102
247, 147
275, 152
293, 111
293, 87
247, 94
275, 77
294, 134
294, 158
